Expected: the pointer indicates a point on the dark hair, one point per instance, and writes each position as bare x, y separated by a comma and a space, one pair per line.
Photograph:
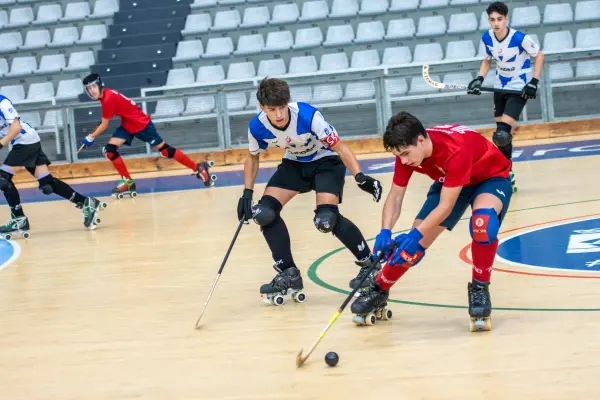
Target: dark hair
402, 130
498, 7
273, 92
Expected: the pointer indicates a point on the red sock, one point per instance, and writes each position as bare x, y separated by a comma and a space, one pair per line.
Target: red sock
119, 165
389, 275
483, 260
181, 158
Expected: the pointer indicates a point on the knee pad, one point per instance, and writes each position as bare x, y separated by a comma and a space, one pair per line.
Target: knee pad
5, 181
46, 185
484, 225
167, 151
502, 137
326, 217
266, 211
111, 152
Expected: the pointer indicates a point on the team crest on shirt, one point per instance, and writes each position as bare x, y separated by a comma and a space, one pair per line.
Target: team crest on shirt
288, 139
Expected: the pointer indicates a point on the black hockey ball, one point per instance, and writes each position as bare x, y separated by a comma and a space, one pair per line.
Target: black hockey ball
332, 358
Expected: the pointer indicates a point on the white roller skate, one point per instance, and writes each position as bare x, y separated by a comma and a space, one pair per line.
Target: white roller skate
286, 283
480, 306
19, 225
91, 208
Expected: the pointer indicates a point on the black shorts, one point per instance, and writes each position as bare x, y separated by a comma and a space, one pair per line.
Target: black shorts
26, 155
509, 104
326, 175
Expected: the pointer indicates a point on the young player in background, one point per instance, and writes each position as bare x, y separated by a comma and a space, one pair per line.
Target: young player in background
467, 170
27, 152
134, 123
512, 51
315, 159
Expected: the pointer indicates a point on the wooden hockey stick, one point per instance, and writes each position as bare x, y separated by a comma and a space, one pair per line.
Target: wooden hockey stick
451, 86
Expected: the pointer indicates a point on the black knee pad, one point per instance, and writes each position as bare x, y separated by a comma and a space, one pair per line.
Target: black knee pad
5, 181
266, 211
46, 185
502, 137
111, 151
326, 217
167, 151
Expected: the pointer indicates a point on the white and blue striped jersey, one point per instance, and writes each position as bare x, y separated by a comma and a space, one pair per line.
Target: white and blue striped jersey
307, 137
7, 115
513, 58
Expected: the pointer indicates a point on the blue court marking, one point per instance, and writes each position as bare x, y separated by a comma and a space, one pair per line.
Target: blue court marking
235, 178
9, 251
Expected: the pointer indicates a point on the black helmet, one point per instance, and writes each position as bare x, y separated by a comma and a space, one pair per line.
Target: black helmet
92, 79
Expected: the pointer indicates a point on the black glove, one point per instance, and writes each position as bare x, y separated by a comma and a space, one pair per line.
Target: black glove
369, 185
530, 90
475, 86
244, 209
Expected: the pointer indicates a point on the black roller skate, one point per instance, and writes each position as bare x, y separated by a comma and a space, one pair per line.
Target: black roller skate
364, 270
90, 208
371, 306
202, 172
286, 282
513, 181
18, 225
480, 306
125, 187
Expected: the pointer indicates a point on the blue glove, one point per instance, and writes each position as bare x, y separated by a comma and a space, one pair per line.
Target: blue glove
87, 141
409, 252
382, 241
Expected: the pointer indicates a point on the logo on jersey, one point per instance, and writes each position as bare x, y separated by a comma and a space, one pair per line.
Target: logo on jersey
331, 137
288, 139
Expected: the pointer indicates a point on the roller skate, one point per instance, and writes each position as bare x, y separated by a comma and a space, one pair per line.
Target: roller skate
91, 208
480, 306
364, 270
371, 306
513, 181
286, 282
125, 187
18, 225
202, 172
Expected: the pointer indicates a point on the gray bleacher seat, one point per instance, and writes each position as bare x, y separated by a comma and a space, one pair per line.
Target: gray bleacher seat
588, 37
279, 41
431, 26
40, 91
339, 35
53, 118
36, 39
250, 44
462, 23
364, 89
397, 56
93, 34
226, 20
588, 68
80, 61
203, 3
366, 32
433, 3
428, 52
76, 11
308, 37
314, 10
3, 18
557, 41
558, 13
460, 49
69, 89
22, 66
243, 70
326, 93
463, 2
51, 64
205, 103
180, 77
285, 14
587, 10
188, 50
560, 71
169, 108
460, 78
484, 24
64, 36
7, 2
14, 93
255, 16
236, 100
3, 66
228, 2
210, 74
334, 62
301, 93
197, 23
365, 59
19, 17
403, 5
218, 47
343, 8
400, 29
33, 118
525, 16
396, 87
271, 68
303, 65
10, 41
373, 7
48, 14
418, 86
105, 8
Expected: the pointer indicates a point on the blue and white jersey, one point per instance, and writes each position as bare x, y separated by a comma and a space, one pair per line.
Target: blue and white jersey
7, 115
513, 58
307, 137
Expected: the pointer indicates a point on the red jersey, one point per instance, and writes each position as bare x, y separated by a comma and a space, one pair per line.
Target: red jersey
460, 157
133, 119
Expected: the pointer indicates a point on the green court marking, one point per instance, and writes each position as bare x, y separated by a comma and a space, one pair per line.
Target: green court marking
313, 276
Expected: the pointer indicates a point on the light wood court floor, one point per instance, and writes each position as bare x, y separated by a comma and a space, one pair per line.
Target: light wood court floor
110, 313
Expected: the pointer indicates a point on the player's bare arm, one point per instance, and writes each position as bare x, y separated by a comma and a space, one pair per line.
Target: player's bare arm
539, 64
101, 128
251, 170
448, 198
13, 131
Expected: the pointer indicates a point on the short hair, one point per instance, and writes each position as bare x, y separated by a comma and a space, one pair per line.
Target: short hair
402, 130
498, 7
273, 92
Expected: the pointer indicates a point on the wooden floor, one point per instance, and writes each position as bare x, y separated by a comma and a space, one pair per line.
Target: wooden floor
110, 313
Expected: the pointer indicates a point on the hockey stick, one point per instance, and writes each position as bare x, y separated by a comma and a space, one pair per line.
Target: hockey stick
81, 148
300, 360
220, 271
440, 85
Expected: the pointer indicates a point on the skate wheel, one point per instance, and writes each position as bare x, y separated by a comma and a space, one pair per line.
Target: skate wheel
480, 324
299, 297
213, 178
211, 184
103, 206
515, 189
120, 196
96, 221
210, 163
358, 320
133, 194
278, 300
370, 319
8, 236
387, 314
26, 235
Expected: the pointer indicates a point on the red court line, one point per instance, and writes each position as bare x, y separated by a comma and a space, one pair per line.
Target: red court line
464, 257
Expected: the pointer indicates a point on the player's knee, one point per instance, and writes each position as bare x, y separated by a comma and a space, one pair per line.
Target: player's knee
111, 152
46, 184
484, 225
326, 217
266, 211
5, 181
502, 137
167, 151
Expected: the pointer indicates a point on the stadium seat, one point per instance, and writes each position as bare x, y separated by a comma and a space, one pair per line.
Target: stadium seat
484, 24
400, 29
397, 56
314, 10
22, 66
76, 11
418, 86
32, 118
303, 65
334, 62
105, 8
301, 93
428, 52
343, 8
285, 14
308, 37
80, 61
279, 41
271, 68
48, 14
210, 74
64, 36
557, 41
373, 7
463, 2
339, 35
226, 20
525, 16
433, 4
461, 49
93, 34
243, 70
362, 90
255, 16
558, 13
404, 5
462, 23
205, 103
203, 3
396, 87
20, 17
15, 93
36, 39
218, 47
3, 66
230, 2
3, 18
51, 64
588, 68
587, 10
196, 23
69, 89
250, 44
10, 41
40, 91
369, 32
169, 108
589, 37
326, 93
180, 77
188, 50
462, 78
431, 26
53, 118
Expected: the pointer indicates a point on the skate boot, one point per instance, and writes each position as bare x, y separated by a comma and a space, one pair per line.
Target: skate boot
364, 270
480, 306
202, 172
513, 181
125, 187
371, 306
18, 225
286, 282
91, 207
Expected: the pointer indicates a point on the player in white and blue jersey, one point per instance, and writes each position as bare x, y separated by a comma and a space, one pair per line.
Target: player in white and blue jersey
512, 50
27, 152
315, 159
